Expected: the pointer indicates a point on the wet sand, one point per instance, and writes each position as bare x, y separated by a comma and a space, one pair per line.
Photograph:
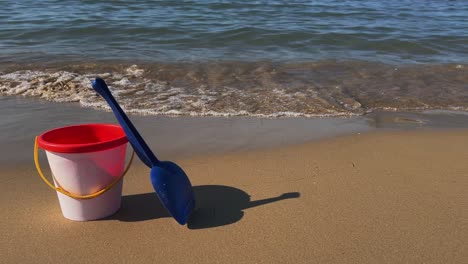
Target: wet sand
21, 119
379, 197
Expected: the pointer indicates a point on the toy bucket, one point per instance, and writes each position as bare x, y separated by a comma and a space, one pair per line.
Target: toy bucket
87, 164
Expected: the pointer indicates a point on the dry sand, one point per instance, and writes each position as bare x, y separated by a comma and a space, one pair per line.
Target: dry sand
387, 197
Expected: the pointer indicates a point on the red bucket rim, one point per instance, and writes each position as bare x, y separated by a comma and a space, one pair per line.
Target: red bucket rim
118, 140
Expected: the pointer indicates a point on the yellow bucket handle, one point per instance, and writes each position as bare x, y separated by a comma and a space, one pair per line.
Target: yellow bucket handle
69, 194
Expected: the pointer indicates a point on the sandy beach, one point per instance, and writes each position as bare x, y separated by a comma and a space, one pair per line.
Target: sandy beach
375, 197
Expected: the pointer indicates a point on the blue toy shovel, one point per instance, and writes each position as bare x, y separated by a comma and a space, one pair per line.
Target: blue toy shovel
170, 182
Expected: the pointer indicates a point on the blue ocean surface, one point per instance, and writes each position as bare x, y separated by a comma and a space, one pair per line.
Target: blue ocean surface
376, 30
263, 58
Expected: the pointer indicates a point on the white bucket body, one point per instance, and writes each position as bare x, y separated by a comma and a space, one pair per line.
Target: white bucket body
87, 173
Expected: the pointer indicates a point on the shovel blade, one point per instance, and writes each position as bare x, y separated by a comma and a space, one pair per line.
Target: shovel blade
174, 189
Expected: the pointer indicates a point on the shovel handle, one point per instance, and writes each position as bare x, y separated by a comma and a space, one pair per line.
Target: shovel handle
135, 139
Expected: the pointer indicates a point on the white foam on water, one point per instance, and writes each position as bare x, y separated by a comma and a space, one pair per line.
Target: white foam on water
173, 112
135, 71
141, 95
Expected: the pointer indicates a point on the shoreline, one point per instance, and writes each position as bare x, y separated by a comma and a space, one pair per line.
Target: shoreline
260, 89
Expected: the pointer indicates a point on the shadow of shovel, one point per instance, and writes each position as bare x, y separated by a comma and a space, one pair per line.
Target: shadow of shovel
219, 205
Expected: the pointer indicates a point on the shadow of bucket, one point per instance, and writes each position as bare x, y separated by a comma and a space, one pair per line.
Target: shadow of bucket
87, 164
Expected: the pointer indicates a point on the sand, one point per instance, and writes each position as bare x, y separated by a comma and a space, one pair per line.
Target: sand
380, 197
